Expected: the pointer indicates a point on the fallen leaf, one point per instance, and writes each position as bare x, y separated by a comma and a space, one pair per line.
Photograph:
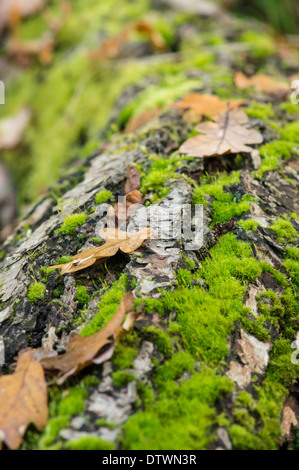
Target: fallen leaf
116, 240
136, 122
133, 179
155, 38
83, 351
195, 105
225, 136
112, 46
262, 83
23, 51
12, 128
23, 399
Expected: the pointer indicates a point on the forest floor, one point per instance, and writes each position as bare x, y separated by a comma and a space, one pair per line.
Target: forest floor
210, 362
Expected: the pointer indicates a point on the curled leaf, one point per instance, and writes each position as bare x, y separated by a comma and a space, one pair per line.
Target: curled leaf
97, 348
115, 240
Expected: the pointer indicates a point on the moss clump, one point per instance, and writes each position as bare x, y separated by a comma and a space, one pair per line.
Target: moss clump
207, 317
248, 224
64, 260
103, 196
161, 340
272, 153
36, 292
225, 204
125, 351
261, 44
289, 108
89, 443
290, 132
107, 306
292, 268
71, 222
63, 405
120, 378
174, 368
82, 296
260, 111
284, 230
181, 418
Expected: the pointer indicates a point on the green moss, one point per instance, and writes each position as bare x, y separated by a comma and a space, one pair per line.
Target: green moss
71, 222
82, 296
205, 317
248, 224
278, 276
64, 260
126, 351
174, 368
181, 418
261, 44
89, 443
74, 402
260, 111
284, 230
103, 196
272, 153
292, 268
292, 252
289, 108
51, 431
290, 132
107, 307
225, 205
120, 378
36, 292
161, 340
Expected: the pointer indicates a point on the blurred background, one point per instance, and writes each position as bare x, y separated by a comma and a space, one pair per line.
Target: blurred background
77, 71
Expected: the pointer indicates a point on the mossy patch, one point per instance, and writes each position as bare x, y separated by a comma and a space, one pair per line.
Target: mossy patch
103, 196
107, 307
36, 292
71, 222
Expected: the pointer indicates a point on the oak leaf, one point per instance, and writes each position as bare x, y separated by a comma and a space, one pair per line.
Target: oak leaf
140, 120
196, 105
262, 83
115, 240
228, 135
83, 351
23, 399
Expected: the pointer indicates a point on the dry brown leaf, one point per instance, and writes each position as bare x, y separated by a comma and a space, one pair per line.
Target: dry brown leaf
225, 136
112, 46
136, 122
133, 179
97, 348
23, 51
115, 240
195, 105
122, 212
12, 128
155, 38
23, 399
262, 83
